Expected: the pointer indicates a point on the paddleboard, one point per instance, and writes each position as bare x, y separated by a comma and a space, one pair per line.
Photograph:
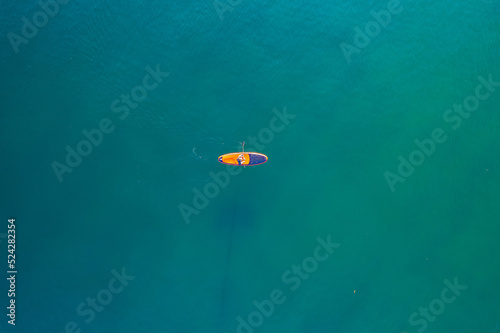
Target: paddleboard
249, 158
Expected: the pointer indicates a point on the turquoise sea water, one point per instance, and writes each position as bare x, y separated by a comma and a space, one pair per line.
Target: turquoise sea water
398, 242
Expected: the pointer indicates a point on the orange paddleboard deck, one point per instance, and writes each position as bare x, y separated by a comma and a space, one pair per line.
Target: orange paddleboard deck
249, 159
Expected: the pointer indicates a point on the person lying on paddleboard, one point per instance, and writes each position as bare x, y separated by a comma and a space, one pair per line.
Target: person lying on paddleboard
241, 159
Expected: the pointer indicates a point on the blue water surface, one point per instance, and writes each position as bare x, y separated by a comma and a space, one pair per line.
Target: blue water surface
376, 212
